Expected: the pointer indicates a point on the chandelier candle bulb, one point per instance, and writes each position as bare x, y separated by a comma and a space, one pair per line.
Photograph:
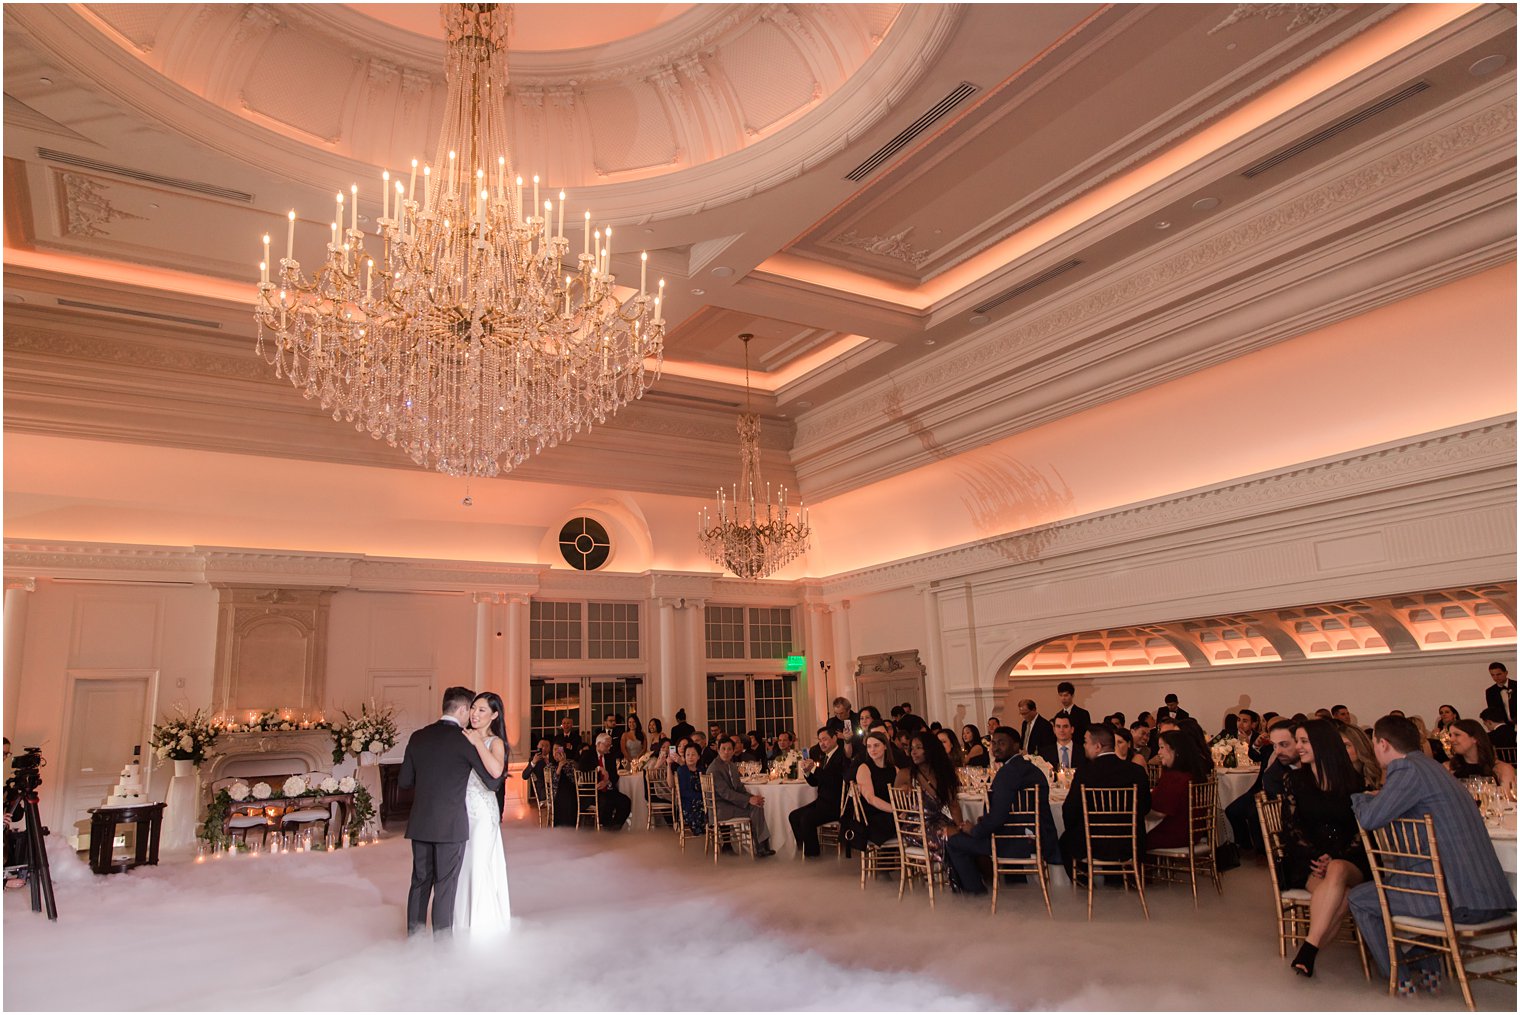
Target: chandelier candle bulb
427, 191
586, 250
263, 271
290, 238
560, 232
353, 208
332, 244
411, 184
385, 194
643, 270
519, 199
339, 214
535, 192
450, 180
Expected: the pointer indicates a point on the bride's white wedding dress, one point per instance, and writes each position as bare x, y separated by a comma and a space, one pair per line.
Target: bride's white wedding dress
482, 905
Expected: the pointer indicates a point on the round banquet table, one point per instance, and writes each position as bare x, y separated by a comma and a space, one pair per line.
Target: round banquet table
1234, 783
632, 784
781, 798
1503, 836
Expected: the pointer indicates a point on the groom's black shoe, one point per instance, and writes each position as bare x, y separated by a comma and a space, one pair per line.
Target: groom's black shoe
764, 851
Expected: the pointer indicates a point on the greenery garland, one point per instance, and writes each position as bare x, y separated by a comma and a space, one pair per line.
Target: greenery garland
213, 829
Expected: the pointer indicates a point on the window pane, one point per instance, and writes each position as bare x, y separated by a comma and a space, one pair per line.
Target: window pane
612, 630
549, 702
774, 709
554, 630
725, 703
770, 632
725, 632
620, 696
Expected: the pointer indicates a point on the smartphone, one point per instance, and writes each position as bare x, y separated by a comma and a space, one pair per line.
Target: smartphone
672, 752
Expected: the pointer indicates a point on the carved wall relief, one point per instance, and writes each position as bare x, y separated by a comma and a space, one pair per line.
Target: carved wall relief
271, 649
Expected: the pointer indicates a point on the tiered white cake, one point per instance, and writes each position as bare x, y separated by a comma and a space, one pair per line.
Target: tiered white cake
128, 791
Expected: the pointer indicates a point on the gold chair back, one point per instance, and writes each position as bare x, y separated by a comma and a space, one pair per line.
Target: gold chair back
735, 832
1024, 815
913, 839
586, 805
874, 859
1109, 816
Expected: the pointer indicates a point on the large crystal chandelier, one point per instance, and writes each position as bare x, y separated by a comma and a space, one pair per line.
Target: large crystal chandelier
460, 330
751, 541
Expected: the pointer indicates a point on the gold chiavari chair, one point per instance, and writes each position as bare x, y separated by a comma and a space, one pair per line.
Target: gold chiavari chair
735, 832
1025, 818
913, 841
1153, 771
1203, 836
1406, 868
1109, 815
828, 835
662, 803
585, 799
874, 859
1292, 903
539, 800
683, 830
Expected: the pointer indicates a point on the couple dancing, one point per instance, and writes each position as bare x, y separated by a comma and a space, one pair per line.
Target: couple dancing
455, 768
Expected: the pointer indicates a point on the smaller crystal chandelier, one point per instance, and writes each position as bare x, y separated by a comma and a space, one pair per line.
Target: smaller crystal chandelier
750, 541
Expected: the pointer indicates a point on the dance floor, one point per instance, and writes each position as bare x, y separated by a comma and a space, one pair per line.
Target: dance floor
627, 922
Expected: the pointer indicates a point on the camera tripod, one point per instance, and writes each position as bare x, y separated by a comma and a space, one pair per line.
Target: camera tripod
39, 878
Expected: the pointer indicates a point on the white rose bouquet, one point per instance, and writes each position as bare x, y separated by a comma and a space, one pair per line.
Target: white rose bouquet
238, 791
1043, 766
294, 786
261, 791
329, 785
347, 784
1230, 752
785, 766
184, 737
373, 730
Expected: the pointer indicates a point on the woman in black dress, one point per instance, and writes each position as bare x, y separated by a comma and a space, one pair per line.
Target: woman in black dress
1322, 849
874, 776
562, 771
1473, 757
971, 747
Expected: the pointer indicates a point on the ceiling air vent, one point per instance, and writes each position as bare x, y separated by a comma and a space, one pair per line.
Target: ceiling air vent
150, 315
1325, 134
1026, 285
79, 162
956, 96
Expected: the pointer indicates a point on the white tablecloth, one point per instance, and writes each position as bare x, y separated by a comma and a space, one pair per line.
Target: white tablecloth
633, 785
1503, 837
781, 798
181, 816
1233, 783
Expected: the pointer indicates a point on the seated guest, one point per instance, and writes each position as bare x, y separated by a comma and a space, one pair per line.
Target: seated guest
952, 749
533, 771
561, 775
1102, 770
993, 722
841, 709
1424, 731
1231, 728
1340, 713
658, 765
902, 747
733, 801
974, 840
827, 776
874, 775
569, 736
1500, 730
708, 751
931, 772
1359, 750
1477, 888
911, 723
614, 804
1141, 736
1247, 728
869, 718
837, 730
1472, 755
1068, 753
1182, 764
714, 734
689, 786
1124, 747
1322, 851
971, 747
1274, 768
1036, 733
785, 743
1446, 717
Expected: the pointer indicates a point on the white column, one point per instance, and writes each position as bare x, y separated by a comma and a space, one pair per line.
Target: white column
844, 654
820, 649
664, 657
695, 663
934, 679
483, 638
17, 596
516, 671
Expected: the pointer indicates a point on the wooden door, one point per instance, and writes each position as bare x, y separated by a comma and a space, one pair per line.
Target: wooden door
108, 716
412, 694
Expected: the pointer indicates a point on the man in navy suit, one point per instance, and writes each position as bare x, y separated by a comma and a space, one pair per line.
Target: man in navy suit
437, 765
1103, 770
1080, 717
972, 841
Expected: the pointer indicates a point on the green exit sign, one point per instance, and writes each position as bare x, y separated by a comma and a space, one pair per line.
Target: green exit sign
796, 664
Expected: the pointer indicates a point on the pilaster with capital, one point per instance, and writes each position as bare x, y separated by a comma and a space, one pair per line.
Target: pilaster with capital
844, 653
820, 650
517, 668
17, 596
934, 676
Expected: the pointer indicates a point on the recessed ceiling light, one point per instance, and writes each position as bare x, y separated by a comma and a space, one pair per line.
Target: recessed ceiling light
1487, 65
1206, 204
721, 271
1163, 224
152, 204
699, 292
648, 231
979, 318
928, 341
14, 298
782, 415
1230, 47
46, 81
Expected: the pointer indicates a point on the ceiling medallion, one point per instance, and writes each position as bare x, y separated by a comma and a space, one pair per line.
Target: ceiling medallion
466, 337
750, 541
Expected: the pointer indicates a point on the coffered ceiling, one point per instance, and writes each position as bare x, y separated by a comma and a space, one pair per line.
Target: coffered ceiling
965, 220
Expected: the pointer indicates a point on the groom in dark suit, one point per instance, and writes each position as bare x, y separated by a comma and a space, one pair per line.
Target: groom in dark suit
438, 762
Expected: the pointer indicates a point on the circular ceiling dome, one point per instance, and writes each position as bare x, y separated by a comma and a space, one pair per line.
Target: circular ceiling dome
732, 98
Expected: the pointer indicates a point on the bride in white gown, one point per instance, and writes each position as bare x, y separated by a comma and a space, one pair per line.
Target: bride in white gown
481, 906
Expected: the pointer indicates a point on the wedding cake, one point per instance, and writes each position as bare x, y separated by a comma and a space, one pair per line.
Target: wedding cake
128, 791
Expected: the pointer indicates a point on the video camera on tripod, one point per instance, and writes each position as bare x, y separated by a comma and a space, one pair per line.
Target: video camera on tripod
24, 830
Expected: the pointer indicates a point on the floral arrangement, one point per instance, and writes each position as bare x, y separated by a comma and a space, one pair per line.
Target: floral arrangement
184, 738
785, 766
360, 812
1230, 752
1044, 766
373, 730
641, 762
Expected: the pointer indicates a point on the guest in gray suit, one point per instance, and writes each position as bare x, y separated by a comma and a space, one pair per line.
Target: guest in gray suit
733, 802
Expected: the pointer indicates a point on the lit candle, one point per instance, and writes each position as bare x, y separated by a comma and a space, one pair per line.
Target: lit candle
339, 215
561, 230
519, 199
586, 250
353, 208
427, 191
643, 270
263, 271
548, 214
290, 237
334, 241
451, 173
596, 250
385, 194
607, 253
604, 265
567, 295
501, 176
535, 190
400, 208
484, 197
411, 184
